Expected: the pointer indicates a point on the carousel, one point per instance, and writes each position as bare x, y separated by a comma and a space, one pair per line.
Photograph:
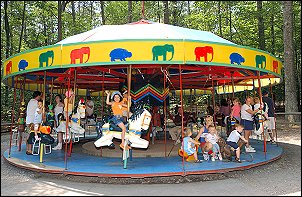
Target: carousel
152, 62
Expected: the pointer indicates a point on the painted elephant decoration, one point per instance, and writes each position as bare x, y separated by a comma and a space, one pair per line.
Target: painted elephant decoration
78, 54
161, 50
44, 57
9, 66
236, 58
22, 65
275, 66
120, 54
260, 61
203, 52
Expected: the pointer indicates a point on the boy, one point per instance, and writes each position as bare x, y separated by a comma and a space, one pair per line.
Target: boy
234, 138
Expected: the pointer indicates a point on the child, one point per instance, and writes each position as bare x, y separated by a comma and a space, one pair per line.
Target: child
125, 109
68, 106
234, 138
50, 117
117, 105
189, 145
212, 137
36, 125
235, 112
264, 107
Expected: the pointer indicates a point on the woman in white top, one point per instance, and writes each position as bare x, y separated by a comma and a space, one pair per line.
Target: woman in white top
247, 121
58, 110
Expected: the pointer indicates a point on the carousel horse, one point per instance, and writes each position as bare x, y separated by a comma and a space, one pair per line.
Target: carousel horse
74, 123
140, 120
226, 150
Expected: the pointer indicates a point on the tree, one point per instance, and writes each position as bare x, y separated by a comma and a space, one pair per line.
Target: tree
291, 104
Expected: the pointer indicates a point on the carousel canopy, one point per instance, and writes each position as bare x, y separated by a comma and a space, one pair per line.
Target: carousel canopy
176, 57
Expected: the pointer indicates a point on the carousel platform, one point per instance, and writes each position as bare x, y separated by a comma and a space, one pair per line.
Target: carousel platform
86, 160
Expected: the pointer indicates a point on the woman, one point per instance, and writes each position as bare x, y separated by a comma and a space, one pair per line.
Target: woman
58, 110
247, 121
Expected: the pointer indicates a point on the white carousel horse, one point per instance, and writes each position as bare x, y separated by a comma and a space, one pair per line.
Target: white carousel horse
74, 123
139, 120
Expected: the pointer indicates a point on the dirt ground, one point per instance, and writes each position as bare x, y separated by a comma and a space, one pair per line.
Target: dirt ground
280, 177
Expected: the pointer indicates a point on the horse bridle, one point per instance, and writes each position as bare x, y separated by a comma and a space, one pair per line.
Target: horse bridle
143, 122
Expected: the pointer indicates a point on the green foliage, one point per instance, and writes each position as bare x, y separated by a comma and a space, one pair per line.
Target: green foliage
41, 28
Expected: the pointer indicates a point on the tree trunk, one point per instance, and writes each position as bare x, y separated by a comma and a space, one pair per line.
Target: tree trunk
174, 12
166, 12
73, 14
158, 11
59, 21
272, 34
7, 31
103, 12
230, 19
291, 104
261, 35
129, 11
22, 27
219, 19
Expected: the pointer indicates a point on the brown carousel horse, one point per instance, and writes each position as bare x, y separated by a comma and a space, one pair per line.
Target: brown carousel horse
226, 150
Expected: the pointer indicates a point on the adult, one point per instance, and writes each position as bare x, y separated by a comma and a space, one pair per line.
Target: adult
203, 131
247, 121
32, 106
59, 109
225, 108
30, 114
175, 132
271, 115
89, 107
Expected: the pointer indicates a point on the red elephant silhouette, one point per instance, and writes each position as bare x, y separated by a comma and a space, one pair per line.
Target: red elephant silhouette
9, 66
203, 52
78, 54
275, 66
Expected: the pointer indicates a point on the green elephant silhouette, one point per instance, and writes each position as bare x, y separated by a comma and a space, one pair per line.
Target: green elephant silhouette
44, 57
161, 50
260, 61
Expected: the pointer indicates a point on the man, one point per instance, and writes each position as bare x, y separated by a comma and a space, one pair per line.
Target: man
271, 115
30, 115
89, 106
175, 132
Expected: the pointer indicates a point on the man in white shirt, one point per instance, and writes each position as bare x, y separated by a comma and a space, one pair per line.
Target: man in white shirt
32, 106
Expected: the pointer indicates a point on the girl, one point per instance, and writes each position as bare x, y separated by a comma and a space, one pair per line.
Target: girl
189, 145
117, 105
235, 112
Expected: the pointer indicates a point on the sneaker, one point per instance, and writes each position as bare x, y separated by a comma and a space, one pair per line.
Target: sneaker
220, 157
57, 147
250, 147
238, 160
206, 156
249, 150
274, 142
213, 159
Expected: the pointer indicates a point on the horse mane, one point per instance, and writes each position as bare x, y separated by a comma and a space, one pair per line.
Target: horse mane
136, 114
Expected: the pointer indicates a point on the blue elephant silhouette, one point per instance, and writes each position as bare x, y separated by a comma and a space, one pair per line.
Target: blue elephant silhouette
120, 54
22, 65
236, 58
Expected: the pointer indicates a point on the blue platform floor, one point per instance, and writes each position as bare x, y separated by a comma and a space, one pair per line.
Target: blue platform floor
89, 165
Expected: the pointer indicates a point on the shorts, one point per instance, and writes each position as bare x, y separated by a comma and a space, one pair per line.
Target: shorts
117, 119
271, 123
248, 124
232, 144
